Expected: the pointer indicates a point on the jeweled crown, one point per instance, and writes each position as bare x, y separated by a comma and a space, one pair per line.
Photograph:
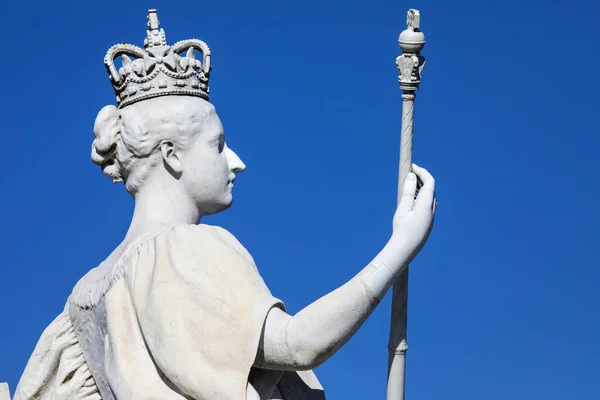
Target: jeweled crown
158, 69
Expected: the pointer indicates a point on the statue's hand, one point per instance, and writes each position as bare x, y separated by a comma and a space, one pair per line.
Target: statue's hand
413, 220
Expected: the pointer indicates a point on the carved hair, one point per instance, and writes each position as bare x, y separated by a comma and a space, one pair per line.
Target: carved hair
128, 139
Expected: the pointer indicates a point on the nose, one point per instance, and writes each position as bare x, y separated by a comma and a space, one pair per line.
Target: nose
235, 163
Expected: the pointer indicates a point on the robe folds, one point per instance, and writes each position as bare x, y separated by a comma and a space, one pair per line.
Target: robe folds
178, 316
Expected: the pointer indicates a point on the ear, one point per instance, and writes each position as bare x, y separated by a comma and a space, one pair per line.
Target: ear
171, 158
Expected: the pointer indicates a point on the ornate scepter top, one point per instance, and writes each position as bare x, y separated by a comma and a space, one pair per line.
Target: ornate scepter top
158, 69
411, 42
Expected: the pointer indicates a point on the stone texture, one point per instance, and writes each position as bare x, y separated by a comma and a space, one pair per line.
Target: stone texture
4, 392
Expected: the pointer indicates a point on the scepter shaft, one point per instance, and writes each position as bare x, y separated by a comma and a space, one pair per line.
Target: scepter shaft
398, 323
410, 64
406, 139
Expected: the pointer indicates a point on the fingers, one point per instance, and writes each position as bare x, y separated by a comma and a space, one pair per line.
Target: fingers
425, 176
426, 198
407, 200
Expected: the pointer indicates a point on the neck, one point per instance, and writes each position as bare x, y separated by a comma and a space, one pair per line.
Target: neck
159, 208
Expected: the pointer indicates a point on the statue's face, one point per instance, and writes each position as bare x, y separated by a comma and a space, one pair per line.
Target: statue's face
208, 166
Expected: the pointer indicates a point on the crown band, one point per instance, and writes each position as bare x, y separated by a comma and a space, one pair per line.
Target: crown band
158, 69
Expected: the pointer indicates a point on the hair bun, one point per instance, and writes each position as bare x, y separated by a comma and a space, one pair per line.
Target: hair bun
107, 130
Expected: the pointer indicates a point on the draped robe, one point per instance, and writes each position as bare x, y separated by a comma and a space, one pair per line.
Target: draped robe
178, 316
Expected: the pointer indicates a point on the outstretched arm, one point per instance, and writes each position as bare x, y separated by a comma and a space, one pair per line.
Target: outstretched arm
307, 339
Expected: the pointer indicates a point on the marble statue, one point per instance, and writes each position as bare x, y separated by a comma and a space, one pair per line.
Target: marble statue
179, 310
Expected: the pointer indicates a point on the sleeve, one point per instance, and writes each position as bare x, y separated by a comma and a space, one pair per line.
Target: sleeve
201, 306
57, 368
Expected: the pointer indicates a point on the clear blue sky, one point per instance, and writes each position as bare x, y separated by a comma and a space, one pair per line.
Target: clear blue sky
504, 299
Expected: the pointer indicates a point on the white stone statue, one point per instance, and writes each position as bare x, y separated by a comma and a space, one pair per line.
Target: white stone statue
179, 309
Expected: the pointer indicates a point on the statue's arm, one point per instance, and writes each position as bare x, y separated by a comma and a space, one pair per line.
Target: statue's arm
310, 337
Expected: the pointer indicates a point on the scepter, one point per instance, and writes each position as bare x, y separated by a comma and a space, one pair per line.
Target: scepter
410, 64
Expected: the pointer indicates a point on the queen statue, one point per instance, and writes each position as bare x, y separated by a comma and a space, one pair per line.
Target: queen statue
179, 310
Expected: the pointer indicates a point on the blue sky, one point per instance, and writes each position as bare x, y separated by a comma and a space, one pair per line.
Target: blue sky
503, 299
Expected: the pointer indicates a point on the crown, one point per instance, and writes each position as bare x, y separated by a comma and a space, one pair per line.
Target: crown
158, 69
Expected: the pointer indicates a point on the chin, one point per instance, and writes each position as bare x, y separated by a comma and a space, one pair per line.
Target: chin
217, 207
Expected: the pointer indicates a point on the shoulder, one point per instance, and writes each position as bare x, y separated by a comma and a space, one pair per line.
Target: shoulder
210, 237
200, 232
182, 243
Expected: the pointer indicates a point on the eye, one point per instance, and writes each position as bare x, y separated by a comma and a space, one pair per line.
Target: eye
221, 143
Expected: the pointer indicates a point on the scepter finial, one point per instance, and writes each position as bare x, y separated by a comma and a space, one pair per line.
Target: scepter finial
411, 42
413, 19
